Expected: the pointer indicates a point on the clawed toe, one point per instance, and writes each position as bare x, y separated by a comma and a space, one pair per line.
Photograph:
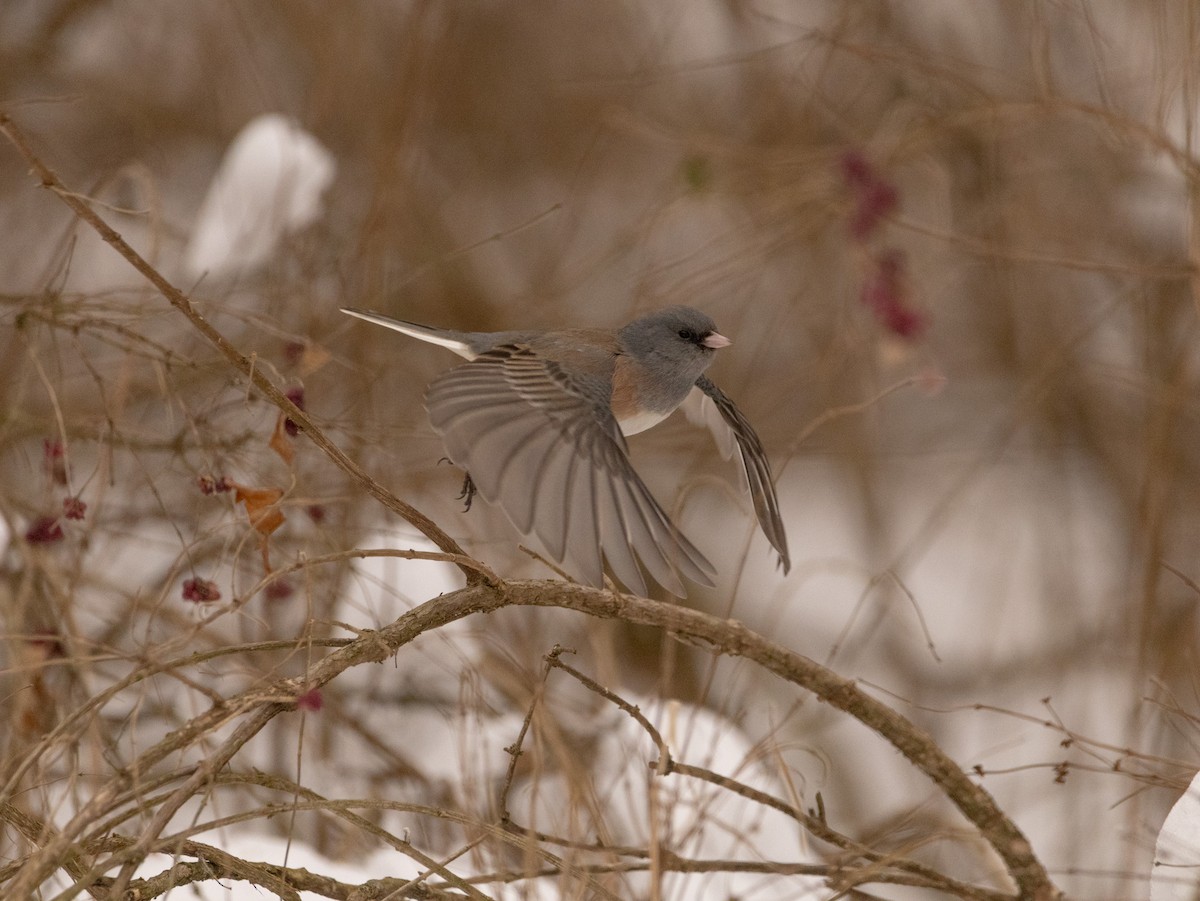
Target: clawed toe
468, 492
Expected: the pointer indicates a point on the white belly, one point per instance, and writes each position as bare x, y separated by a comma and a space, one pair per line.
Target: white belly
640, 422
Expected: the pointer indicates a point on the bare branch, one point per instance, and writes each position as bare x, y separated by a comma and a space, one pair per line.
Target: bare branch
239, 361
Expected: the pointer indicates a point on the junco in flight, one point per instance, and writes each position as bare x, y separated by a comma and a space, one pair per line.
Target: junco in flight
538, 419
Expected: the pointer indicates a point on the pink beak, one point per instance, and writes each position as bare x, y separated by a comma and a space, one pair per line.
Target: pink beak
715, 340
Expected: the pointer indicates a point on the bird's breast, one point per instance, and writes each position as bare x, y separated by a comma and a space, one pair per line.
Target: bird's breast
639, 401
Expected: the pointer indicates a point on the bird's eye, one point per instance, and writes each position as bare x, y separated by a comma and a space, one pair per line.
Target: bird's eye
686, 335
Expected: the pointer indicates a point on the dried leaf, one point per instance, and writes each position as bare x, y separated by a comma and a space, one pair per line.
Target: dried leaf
306, 356
280, 442
262, 507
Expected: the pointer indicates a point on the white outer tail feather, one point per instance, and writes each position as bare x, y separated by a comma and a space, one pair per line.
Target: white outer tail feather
433, 336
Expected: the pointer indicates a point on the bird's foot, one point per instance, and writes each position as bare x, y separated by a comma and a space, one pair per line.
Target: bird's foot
468, 492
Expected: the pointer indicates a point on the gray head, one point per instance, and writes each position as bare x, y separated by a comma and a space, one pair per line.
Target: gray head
678, 340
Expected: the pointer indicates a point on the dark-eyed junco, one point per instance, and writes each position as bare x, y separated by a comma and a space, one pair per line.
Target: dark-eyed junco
538, 419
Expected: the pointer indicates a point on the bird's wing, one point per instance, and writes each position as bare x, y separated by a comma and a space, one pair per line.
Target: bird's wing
544, 445
709, 405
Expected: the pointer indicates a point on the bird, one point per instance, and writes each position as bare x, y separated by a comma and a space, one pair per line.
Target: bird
538, 420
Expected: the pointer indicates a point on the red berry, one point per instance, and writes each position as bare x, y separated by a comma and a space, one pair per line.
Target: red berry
200, 591
44, 530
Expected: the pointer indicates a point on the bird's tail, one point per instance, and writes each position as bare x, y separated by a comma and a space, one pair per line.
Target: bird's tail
452, 340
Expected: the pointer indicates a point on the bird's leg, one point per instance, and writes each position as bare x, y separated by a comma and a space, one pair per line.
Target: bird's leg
468, 491
468, 486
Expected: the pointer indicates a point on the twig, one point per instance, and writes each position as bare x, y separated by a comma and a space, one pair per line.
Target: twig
819, 828
664, 764
49, 180
257, 707
724, 637
514, 751
816, 825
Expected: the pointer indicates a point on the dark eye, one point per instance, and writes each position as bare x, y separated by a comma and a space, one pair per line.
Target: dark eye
687, 335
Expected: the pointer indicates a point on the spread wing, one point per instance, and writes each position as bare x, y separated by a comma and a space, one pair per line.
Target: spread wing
545, 446
732, 429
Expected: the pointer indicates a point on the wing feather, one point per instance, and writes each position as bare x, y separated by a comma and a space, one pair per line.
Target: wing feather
754, 460
544, 445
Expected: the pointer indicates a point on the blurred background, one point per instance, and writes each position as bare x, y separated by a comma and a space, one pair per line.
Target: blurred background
954, 245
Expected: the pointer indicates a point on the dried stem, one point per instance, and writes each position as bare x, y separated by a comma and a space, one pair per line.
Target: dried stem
721, 636
243, 364
257, 707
